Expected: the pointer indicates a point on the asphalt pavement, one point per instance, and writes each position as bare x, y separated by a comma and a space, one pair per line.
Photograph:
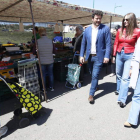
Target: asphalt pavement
69, 116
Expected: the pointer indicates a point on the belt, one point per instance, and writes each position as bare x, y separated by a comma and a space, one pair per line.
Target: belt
93, 54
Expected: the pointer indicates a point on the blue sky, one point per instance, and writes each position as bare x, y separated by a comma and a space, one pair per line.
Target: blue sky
108, 5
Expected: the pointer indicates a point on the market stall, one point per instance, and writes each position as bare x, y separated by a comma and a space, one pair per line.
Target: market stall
49, 11
13, 65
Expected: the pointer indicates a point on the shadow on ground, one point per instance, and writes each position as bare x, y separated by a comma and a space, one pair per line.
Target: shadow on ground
129, 98
60, 90
13, 124
107, 89
9, 106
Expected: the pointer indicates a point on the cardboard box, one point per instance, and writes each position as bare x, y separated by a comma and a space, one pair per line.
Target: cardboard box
16, 57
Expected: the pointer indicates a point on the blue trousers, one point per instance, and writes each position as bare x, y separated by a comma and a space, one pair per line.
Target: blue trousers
135, 107
123, 62
47, 70
94, 68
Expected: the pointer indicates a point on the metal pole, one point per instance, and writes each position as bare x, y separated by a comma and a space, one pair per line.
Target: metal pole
110, 21
62, 32
93, 4
114, 7
37, 50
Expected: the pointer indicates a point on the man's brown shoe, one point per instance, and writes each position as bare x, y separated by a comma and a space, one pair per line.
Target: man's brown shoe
91, 99
97, 88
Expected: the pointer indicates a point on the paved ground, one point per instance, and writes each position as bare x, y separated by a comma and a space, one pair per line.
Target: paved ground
69, 116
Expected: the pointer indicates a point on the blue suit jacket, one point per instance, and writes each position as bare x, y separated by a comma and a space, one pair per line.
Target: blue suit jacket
103, 42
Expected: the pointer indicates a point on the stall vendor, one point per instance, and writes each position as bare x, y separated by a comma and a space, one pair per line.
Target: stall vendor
76, 42
33, 50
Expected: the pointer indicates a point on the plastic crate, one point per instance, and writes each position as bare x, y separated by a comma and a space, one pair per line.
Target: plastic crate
60, 70
19, 59
32, 85
28, 75
27, 72
7, 65
60, 78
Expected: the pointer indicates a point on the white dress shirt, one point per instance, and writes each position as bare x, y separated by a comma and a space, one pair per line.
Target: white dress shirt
93, 39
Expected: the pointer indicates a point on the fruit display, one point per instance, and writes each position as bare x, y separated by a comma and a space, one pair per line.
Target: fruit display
63, 56
8, 45
5, 63
58, 45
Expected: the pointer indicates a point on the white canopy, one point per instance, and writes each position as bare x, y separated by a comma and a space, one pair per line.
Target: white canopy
50, 11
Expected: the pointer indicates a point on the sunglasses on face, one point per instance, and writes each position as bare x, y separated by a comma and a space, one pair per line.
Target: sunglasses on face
125, 19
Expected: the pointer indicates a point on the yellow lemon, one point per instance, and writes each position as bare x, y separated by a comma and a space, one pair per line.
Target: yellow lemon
28, 96
15, 90
25, 92
32, 95
22, 90
31, 109
23, 96
36, 106
37, 102
34, 112
29, 104
26, 100
32, 99
26, 108
21, 100
36, 97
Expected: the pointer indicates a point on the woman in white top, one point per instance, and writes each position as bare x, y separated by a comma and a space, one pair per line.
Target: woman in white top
135, 84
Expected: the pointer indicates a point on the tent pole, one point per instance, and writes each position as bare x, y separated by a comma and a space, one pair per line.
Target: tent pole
62, 32
37, 50
110, 21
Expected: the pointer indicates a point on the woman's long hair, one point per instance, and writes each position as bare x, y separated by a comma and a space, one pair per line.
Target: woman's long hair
132, 24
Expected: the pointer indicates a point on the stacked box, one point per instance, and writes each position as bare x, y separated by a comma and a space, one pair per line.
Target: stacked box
28, 76
32, 85
60, 70
7, 65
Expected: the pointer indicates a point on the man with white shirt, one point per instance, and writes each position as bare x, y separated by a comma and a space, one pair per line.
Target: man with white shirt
97, 44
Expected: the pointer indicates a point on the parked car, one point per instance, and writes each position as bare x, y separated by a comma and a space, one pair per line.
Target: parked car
28, 30
4, 30
16, 30
10, 30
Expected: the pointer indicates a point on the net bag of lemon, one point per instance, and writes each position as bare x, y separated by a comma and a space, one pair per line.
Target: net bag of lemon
27, 99
31, 102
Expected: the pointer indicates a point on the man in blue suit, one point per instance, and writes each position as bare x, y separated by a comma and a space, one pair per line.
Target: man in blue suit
97, 45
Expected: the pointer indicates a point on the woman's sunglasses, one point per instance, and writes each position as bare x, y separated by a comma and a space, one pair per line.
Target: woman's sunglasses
125, 19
